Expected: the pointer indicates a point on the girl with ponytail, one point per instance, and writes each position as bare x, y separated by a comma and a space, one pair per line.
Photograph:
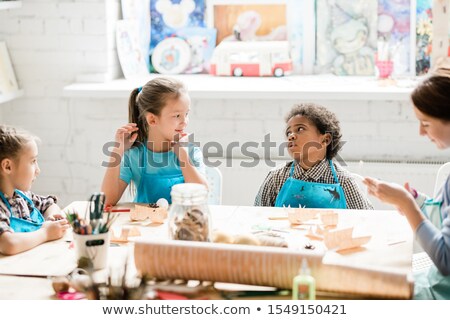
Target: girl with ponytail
149, 145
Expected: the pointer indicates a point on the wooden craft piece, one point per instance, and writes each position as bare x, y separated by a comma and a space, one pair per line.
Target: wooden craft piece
329, 218
342, 239
300, 215
125, 234
153, 212
314, 235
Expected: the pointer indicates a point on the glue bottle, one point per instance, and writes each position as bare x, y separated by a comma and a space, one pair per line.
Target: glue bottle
303, 284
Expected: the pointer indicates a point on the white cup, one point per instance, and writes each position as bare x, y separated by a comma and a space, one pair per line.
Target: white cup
94, 247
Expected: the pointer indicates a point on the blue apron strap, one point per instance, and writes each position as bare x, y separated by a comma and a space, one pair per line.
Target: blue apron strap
291, 172
20, 193
333, 171
144, 159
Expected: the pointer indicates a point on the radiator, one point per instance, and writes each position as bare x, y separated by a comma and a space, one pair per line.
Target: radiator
241, 184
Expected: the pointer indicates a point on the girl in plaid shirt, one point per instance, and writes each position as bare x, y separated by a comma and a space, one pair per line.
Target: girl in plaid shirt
26, 219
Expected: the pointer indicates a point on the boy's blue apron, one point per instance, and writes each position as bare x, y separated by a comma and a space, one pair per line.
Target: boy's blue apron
431, 284
296, 193
23, 225
154, 186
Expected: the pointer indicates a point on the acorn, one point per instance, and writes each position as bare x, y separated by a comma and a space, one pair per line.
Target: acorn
247, 239
60, 284
222, 237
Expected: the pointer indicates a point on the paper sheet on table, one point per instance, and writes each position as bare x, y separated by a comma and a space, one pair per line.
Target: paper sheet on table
48, 259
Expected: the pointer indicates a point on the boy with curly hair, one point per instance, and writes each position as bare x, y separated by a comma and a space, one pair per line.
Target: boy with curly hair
312, 179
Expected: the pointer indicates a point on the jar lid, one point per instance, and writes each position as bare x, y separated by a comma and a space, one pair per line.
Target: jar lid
188, 190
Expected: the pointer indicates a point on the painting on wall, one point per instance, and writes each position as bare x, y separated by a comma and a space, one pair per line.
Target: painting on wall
130, 53
202, 42
346, 37
169, 16
8, 82
424, 30
394, 34
254, 20
301, 34
139, 11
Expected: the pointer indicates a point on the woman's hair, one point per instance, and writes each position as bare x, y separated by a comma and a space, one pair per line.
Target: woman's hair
325, 122
432, 96
152, 97
12, 141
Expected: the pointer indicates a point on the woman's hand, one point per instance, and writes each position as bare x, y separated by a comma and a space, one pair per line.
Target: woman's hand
391, 193
126, 136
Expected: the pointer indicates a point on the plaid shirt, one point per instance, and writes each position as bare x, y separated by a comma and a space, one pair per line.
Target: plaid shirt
321, 173
21, 208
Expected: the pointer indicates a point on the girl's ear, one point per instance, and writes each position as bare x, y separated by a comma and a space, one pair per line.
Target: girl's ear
151, 119
6, 165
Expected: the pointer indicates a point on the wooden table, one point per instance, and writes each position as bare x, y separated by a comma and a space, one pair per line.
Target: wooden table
389, 251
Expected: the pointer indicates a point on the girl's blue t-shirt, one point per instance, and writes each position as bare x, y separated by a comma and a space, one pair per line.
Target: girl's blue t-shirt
157, 163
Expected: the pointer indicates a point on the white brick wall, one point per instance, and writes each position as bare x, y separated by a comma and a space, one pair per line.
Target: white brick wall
52, 42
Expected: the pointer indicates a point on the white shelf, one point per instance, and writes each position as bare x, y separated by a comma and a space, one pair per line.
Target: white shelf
4, 5
10, 96
317, 87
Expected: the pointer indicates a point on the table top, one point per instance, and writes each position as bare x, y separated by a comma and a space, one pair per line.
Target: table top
388, 252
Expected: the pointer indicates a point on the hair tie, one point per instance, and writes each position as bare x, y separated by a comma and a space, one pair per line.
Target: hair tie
139, 89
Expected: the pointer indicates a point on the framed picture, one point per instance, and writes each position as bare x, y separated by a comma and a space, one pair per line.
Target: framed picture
423, 33
131, 57
395, 35
169, 16
139, 10
8, 82
254, 20
346, 37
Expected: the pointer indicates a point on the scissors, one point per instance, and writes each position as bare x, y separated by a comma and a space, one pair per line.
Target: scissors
97, 203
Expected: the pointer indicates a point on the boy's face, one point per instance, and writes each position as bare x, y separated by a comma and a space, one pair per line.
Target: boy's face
25, 168
437, 130
173, 120
305, 143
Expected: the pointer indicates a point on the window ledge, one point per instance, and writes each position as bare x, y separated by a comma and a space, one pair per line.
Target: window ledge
314, 87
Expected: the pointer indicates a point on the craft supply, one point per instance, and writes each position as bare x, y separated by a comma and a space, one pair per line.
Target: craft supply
163, 203
91, 238
189, 217
97, 203
151, 211
248, 239
304, 285
222, 237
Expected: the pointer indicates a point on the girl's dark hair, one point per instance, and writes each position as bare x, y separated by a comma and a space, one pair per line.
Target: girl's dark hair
12, 141
432, 97
152, 97
325, 122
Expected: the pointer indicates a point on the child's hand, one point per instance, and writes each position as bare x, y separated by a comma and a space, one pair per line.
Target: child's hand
126, 135
181, 139
56, 217
55, 229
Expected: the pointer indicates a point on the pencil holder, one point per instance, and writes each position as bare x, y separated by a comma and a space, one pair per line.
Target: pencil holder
385, 68
94, 247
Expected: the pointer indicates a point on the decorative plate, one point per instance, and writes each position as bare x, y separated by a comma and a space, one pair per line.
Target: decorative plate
171, 56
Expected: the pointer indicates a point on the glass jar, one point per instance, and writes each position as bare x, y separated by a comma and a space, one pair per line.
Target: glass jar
189, 216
